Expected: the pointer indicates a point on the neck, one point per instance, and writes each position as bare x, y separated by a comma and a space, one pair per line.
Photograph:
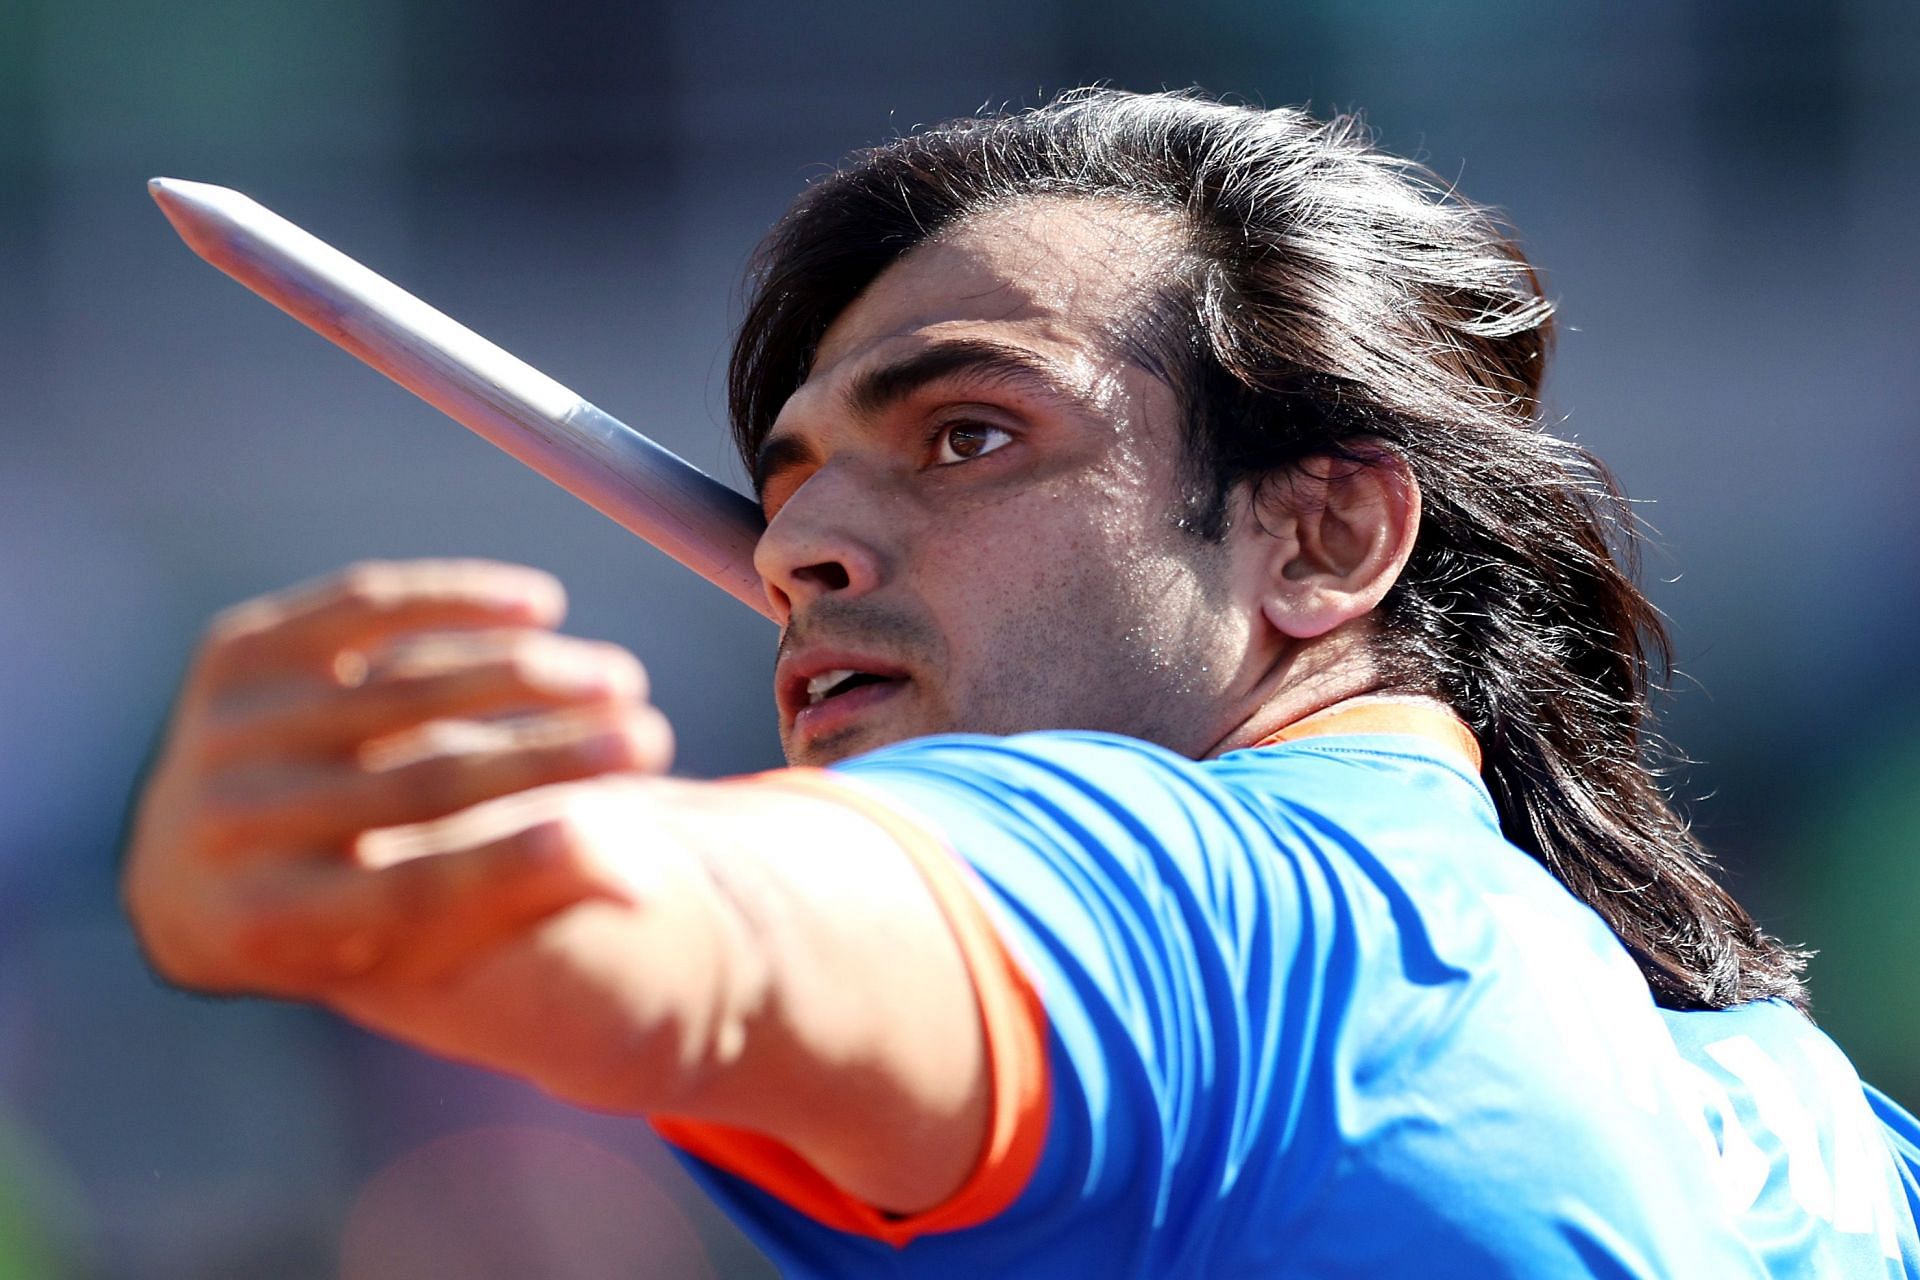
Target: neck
1272, 722
1307, 679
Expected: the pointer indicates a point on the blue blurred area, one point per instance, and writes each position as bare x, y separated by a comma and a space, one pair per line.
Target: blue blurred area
1721, 196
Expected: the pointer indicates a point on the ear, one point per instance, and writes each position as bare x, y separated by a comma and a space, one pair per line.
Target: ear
1340, 532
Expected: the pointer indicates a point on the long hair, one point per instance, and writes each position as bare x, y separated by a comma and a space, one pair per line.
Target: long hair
1327, 299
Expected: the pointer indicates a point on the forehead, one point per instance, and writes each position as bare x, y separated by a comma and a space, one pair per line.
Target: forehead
1057, 274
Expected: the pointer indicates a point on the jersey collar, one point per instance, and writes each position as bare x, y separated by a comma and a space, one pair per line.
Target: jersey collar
1426, 720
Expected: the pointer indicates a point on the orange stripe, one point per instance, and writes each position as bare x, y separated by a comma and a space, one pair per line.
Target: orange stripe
1015, 1027
1422, 719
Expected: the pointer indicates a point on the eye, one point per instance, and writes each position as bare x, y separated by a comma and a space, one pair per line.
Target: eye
964, 441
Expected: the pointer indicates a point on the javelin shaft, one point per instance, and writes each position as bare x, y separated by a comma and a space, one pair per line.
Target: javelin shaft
692, 517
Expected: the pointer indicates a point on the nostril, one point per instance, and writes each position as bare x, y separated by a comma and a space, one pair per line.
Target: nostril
781, 601
828, 575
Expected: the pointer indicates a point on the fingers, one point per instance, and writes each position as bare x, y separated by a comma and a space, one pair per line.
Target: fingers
433, 900
421, 679
312, 927
438, 771
332, 736
309, 626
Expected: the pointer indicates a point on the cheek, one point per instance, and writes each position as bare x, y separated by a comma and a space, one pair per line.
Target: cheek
1147, 620
1034, 613
1076, 592
1004, 573
987, 546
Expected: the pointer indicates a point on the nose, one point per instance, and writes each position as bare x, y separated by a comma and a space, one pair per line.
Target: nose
814, 548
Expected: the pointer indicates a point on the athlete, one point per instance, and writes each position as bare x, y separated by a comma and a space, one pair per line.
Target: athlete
1218, 839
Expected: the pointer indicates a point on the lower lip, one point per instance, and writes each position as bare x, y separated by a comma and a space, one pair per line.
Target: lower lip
834, 714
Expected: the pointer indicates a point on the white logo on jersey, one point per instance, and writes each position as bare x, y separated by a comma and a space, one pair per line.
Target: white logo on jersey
1854, 1194
1601, 1012
1739, 1165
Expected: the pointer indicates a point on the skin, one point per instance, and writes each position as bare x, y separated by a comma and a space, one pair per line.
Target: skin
401, 793
950, 531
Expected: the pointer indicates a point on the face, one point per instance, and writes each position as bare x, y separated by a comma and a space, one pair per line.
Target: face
972, 507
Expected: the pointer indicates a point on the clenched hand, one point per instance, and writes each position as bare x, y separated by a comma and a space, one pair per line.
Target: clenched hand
358, 783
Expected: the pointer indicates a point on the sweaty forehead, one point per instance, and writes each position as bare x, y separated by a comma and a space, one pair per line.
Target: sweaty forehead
1053, 271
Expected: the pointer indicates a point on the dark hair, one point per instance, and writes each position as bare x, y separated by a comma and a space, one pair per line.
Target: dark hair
1330, 300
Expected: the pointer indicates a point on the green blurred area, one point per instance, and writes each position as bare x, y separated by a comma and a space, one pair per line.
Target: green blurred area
38, 1211
1854, 864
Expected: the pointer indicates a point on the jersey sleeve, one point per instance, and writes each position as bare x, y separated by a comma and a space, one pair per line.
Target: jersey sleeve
1168, 944
1177, 951
1013, 1026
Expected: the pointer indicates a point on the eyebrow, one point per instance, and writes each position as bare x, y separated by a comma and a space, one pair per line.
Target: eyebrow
976, 361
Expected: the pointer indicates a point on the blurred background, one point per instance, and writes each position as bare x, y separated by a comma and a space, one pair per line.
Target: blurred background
1722, 196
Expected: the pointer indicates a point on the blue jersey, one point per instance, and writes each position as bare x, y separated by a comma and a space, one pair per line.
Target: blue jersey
1307, 1013
1817, 1170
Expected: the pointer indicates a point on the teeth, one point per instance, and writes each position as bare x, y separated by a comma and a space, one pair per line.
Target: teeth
818, 687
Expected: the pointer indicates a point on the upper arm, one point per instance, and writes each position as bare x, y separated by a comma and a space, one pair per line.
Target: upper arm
1166, 940
858, 1059
1149, 943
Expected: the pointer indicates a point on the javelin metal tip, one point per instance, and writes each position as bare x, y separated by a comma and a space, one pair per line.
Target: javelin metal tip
180, 186
166, 191
187, 205
693, 518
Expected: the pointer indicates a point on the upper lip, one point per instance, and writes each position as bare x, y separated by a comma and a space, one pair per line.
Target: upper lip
802, 665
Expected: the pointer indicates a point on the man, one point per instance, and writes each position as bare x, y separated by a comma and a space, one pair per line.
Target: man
1201, 440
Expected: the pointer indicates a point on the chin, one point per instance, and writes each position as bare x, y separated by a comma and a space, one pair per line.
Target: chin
831, 748
852, 740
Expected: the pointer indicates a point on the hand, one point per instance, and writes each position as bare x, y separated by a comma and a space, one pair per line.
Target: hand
355, 785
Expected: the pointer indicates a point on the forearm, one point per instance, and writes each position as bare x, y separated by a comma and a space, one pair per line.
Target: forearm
781, 968
603, 1005
612, 1003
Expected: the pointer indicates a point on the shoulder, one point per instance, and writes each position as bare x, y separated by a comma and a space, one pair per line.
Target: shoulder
1111, 798
1769, 1050
1322, 775
1073, 758
1055, 791
1094, 833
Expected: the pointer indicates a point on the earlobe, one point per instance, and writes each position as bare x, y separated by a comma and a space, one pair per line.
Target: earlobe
1341, 533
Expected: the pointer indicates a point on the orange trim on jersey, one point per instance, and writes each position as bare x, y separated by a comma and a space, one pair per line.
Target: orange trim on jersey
1012, 1019
1423, 719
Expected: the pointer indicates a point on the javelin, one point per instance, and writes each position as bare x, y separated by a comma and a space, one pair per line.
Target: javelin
692, 517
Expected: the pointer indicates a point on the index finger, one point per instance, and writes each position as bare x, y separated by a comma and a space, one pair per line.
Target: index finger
311, 624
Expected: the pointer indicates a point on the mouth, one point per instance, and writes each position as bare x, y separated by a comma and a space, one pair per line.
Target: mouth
838, 682
825, 694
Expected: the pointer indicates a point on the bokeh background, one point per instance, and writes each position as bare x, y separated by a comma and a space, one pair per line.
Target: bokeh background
1722, 195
